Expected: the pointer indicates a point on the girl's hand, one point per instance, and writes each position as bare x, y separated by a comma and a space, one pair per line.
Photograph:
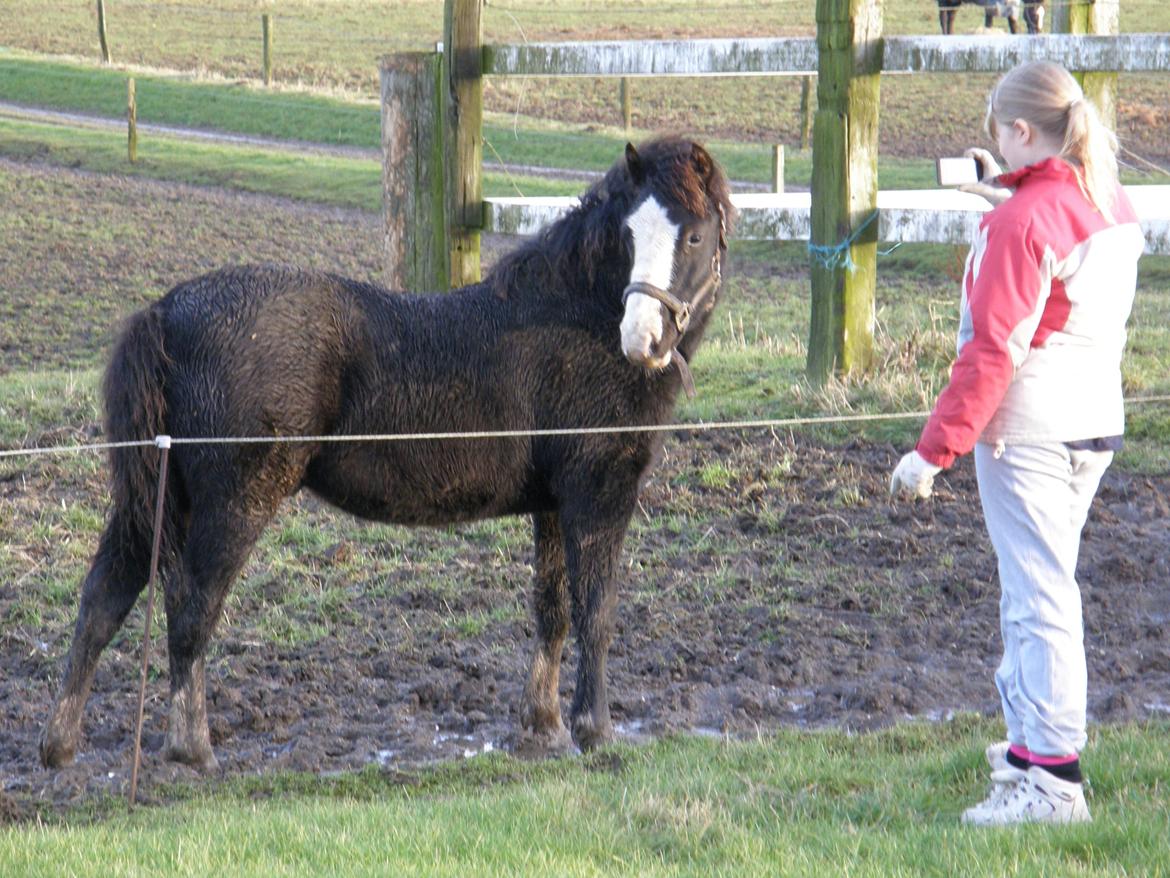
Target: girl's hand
914, 476
994, 194
990, 166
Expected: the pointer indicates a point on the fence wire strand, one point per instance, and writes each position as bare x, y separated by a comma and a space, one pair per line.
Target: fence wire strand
677, 427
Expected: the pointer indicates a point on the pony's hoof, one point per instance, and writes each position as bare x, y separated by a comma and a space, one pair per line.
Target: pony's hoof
202, 760
588, 733
536, 743
55, 750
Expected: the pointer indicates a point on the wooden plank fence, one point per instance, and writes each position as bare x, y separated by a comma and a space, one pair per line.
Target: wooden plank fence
909, 216
797, 56
849, 54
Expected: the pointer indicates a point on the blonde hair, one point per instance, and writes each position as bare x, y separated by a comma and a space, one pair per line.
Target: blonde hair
1046, 96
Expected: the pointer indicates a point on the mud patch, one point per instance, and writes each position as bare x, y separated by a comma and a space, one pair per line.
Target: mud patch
792, 594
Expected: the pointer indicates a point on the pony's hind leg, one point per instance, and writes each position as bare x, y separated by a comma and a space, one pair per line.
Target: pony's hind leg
116, 577
217, 546
540, 709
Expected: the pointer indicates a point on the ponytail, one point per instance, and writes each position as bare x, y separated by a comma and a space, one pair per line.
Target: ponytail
1046, 96
1094, 147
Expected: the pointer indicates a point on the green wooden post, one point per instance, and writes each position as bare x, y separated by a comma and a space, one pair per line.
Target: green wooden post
266, 31
101, 13
844, 187
627, 104
131, 121
1092, 17
413, 191
778, 167
463, 135
806, 111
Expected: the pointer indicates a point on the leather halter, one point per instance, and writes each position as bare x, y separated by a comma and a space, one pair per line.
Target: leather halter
681, 311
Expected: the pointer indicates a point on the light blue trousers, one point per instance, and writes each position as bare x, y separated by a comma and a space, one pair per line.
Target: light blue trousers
1035, 500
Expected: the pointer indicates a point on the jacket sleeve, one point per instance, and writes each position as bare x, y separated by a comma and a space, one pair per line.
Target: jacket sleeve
1007, 287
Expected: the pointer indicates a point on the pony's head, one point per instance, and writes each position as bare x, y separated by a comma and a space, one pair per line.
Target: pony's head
676, 229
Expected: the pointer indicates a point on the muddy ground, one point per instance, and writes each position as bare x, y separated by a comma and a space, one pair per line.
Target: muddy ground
788, 591
823, 604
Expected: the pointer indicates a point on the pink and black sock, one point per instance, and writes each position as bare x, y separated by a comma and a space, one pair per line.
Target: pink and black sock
1066, 768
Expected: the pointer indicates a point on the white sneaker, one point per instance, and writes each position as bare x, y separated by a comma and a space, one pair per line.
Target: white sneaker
1004, 778
1038, 797
996, 755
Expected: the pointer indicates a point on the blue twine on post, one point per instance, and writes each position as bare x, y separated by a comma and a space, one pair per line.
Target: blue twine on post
837, 255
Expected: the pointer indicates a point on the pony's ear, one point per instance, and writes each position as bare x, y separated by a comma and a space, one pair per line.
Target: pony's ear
634, 165
704, 164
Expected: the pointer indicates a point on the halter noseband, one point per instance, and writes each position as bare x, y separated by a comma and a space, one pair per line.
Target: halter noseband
682, 311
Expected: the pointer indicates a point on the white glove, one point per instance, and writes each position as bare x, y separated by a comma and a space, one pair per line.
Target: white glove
914, 475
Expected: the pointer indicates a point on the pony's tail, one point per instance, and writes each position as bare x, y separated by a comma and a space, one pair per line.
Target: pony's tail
136, 410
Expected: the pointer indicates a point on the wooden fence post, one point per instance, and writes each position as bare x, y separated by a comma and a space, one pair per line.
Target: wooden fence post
463, 135
806, 111
627, 104
413, 191
843, 245
1092, 17
778, 167
131, 120
266, 31
101, 12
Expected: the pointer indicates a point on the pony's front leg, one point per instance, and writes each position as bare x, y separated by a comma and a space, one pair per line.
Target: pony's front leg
592, 548
540, 708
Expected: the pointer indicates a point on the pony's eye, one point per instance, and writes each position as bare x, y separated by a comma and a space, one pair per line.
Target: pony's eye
695, 239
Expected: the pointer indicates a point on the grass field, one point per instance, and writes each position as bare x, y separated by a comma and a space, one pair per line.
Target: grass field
796, 803
335, 43
332, 52
241, 109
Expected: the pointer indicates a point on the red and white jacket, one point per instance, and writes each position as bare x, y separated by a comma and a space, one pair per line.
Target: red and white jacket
1047, 291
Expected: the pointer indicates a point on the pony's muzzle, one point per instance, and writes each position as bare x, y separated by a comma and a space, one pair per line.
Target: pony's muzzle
647, 339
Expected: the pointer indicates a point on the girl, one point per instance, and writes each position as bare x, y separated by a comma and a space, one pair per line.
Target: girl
1036, 391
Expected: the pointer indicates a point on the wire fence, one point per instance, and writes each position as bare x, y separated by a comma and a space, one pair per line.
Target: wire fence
164, 441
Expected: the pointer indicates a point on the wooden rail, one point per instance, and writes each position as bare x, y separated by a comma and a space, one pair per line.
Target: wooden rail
797, 56
922, 216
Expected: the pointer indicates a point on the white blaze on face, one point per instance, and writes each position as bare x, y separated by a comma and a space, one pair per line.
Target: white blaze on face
654, 240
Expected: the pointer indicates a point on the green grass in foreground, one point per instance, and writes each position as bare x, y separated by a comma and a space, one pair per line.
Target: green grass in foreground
797, 803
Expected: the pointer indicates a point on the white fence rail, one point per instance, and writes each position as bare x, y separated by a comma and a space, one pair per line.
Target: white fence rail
932, 216
797, 56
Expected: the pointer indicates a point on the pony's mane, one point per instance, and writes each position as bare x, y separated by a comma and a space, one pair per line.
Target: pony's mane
585, 245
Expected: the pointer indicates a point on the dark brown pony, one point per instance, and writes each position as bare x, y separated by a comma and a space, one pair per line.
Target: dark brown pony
582, 326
